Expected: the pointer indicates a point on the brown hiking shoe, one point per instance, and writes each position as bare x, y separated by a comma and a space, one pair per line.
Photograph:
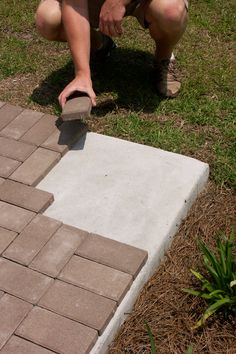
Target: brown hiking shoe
166, 80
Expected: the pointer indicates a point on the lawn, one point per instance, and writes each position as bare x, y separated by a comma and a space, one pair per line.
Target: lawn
200, 123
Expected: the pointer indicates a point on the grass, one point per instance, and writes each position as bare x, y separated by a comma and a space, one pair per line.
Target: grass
199, 123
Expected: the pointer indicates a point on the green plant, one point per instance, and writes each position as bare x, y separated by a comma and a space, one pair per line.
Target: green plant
153, 345
219, 287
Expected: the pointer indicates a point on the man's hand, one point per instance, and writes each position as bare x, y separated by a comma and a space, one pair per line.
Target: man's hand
111, 15
81, 84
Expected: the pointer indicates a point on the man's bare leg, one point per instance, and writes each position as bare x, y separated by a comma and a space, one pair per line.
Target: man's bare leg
167, 22
49, 24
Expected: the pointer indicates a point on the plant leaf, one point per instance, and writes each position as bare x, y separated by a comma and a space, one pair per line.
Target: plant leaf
151, 338
197, 293
206, 283
210, 310
190, 349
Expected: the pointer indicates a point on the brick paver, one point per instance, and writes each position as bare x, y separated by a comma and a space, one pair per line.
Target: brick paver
21, 124
32, 171
57, 333
14, 218
22, 282
65, 136
97, 278
17, 345
56, 253
7, 166
25, 196
16, 150
8, 112
32, 239
113, 254
78, 304
92, 274
6, 237
12, 311
41, 130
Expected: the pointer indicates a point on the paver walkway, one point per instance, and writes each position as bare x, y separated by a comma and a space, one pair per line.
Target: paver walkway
59, 285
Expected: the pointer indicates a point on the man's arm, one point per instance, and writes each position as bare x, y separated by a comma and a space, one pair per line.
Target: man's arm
76, 24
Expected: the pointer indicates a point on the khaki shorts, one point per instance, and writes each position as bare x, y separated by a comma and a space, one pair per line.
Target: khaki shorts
136, 8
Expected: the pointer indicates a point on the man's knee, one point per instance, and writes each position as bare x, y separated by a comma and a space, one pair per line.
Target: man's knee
48, 19
170, 12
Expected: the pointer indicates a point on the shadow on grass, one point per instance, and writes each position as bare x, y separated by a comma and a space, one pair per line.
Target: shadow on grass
126, 76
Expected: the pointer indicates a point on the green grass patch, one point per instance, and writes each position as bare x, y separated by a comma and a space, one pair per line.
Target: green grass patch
199, 123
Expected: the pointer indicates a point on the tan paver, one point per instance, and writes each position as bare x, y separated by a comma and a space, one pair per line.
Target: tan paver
41, 130
59, 249
7, 166
1, 293
1, 180
6, 237
78, 304
32, 239
57, 333
14, 149
36, 167
14, 218
8, 112
22, 282
97, 278
12, 311
17, 345
25, 196
2, 104
113, 254
21, 124
65, 136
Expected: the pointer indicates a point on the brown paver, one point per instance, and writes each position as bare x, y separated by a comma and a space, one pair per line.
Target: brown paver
17, 345
14, 218
7, 166
32, 239
14, 149
12, 311
97, 278
114, 254
25, 196
77, 307
41, 130
21, 124
6, 237
59, 249
65, 136
78, 304
22, 282
32, 171
8, 112
57, 333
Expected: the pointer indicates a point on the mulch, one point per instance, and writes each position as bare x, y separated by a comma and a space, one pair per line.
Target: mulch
169, 311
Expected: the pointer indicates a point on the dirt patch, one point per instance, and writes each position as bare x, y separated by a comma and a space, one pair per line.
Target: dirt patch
169, 312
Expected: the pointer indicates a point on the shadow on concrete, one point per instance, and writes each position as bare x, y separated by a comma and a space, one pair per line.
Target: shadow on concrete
126, 76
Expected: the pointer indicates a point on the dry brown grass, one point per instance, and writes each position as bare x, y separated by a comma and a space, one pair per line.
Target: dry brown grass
169, 312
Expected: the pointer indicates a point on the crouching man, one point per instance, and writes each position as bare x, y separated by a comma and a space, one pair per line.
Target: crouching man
88, 26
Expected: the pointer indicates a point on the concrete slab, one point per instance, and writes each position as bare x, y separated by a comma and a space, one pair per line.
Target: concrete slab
128, 192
